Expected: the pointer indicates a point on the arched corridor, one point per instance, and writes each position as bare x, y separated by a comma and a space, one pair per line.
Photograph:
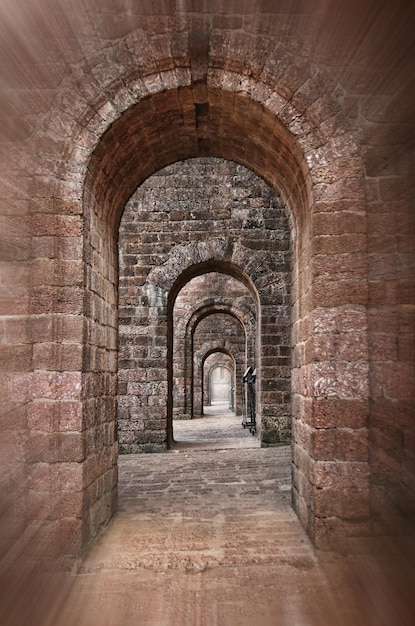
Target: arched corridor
182, 179
217, 289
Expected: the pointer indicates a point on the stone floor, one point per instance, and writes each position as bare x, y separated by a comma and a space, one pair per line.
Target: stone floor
205, 536
218, 429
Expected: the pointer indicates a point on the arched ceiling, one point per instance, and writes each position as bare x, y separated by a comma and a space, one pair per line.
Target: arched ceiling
172, 126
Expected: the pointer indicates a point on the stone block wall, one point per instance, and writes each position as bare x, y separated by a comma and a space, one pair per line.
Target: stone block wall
391, 320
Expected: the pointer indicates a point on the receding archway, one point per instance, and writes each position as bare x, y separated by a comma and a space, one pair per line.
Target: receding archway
255, 253
115, 169
210, 294
268, 149
231, 340
223, 260
272, 151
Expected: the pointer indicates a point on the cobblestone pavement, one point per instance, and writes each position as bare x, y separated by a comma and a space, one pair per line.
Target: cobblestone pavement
204, 536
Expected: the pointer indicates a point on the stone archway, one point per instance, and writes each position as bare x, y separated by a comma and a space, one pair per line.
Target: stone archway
317, 382
208, 294
97, 101
201, 374
223, 256
277, 156
242, 311
234, 338
279, 143
255, 251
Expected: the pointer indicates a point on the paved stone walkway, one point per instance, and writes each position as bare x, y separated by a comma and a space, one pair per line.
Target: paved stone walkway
218, 429
205, 536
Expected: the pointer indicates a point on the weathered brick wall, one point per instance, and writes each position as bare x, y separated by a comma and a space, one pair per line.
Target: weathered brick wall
16, 339
169, 214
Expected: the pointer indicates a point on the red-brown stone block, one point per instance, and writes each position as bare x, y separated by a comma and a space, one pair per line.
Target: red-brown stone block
339, 444
334, 413
337, 535
340, 475
55, 447
344, 504
43, 415
338, 293
55, 385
